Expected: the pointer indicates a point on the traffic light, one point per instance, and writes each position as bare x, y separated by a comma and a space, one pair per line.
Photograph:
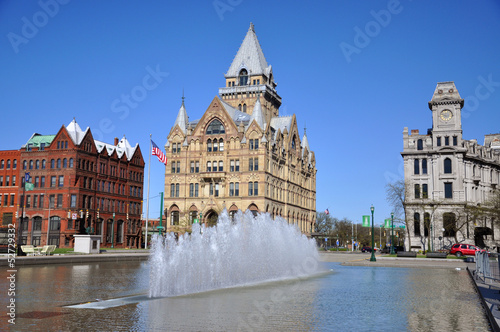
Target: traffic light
97, 213
87, 216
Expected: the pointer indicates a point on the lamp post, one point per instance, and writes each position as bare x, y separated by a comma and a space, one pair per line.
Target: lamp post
372, 258
113, 232
392, 233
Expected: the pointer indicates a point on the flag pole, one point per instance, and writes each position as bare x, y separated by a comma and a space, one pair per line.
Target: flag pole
147, 202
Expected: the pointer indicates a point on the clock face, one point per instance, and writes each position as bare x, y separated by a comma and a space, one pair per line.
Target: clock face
446, 115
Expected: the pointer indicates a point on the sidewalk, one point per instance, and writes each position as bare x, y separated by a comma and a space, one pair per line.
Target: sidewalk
76, 258
489, 291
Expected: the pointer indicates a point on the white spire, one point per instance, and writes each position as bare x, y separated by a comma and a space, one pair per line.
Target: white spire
257, 114
182, 118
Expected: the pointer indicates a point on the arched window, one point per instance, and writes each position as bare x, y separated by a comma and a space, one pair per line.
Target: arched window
215, 145
221, 145
243, 77
174, 218
424, 166
416, 224
449, 224
447, 166
70, 162
25, 164
52, 163
420, 144
427, 224
44, 164
209, 145
215, 127
244, 108
65, 163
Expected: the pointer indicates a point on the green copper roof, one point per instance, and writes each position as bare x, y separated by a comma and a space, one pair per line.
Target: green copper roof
37, 139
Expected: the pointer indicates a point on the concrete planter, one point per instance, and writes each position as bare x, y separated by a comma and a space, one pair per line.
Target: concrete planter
436, 255
411, 254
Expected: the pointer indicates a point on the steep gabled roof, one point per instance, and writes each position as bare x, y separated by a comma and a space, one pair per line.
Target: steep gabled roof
281, 123
250, 57
75, 132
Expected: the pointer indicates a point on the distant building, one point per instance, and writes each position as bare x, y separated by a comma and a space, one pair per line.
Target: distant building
241, 154
9, 179
80, 185
446, 177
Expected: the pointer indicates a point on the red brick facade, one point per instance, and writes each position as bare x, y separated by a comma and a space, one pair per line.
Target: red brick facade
9, 182
81, 186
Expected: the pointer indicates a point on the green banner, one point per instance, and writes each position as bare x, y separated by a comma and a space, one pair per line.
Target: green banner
387, 223
402, 226
366, 221
29, 186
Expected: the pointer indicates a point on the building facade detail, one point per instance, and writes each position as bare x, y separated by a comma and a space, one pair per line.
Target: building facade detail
447, 178
80, 186
241, 154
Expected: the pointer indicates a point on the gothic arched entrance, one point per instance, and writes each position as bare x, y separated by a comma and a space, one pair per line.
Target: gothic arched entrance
211, 218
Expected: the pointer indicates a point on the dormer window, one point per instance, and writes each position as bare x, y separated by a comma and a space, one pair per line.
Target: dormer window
215, 127
243, 77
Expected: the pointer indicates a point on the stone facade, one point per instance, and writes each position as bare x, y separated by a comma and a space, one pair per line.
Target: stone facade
241, 154
446, 177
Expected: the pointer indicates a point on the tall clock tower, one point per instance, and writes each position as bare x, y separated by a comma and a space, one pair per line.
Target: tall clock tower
446, 106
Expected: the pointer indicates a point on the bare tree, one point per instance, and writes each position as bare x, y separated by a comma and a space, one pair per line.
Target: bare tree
324, 223
396, 193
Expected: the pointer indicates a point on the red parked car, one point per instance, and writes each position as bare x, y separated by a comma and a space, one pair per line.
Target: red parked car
461, 249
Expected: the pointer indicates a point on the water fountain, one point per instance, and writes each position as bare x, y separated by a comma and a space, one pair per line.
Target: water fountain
246, 251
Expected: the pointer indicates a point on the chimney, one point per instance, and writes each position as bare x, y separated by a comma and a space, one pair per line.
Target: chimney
116, 141
414, 131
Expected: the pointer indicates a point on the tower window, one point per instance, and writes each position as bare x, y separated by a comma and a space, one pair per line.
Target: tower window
420, 144
424, 166
243, 77
446, 140
438, 141
215, 127
416, 167
455, 140
448, 190
447, 166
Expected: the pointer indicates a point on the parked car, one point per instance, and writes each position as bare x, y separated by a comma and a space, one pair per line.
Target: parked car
367, 249
461, 249
387, 250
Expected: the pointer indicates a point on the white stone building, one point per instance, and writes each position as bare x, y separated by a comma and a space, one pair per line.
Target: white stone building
447, 178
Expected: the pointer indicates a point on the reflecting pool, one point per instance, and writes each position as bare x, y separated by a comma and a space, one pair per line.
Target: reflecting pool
347, 299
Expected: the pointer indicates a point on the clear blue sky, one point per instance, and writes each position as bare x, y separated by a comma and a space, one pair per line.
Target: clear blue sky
354, 72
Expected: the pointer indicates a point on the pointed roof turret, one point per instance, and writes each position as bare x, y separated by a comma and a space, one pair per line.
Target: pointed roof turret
182, 118
257, 114
250, 57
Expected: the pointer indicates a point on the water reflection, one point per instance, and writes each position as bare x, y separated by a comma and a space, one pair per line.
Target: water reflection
350, 299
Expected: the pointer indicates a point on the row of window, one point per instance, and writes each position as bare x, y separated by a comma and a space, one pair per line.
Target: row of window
41, 164
449, 224
234, 189
421, 191
420, 142
7, 181
446, 166
215, 145
6, 201
3, 164
216, 166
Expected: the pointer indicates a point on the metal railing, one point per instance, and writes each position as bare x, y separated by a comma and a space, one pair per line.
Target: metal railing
487, 266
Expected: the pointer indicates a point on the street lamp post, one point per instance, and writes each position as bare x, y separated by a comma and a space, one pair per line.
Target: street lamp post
372, 258
392, 233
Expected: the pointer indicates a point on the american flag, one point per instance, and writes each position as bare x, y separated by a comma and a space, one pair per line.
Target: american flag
327, 212
157, 152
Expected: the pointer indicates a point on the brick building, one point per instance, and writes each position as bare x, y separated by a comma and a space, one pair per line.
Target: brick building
80, 185
9, 178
